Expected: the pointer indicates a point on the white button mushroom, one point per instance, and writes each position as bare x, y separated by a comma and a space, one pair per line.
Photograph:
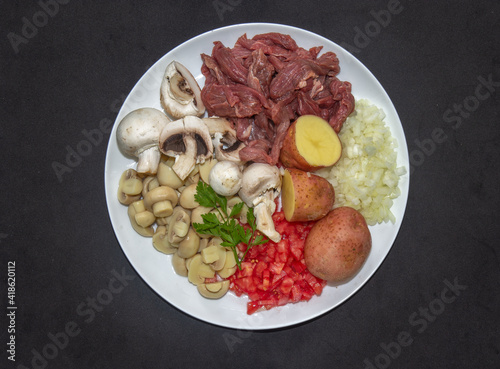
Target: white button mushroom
226, 144
261, 184
189, 141
225, 178
138, 133
180, 94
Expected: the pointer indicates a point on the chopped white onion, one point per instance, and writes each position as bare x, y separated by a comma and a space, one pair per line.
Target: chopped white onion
367, 177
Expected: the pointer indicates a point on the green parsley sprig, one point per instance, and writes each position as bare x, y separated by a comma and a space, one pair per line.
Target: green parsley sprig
224, 224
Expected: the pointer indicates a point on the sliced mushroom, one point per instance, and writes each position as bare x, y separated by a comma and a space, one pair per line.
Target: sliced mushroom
227, 147
198, 270
189, 246
231, 202
189, 141
143, 231
186, 199
149, 183
161, 201
203, 243
138, 134
219, 254
196, 217
225, 178
188, 261
242, 215
180, 94
219, 263
179, 265
214, 290
229, 267
193, 176
215, 255
143, 217
205, 168
217, 241
261, 184
163, 221
178, 226
160, 241
166, 175
129, 187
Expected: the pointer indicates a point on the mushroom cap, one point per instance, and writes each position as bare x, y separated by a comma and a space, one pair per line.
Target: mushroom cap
173, 137
226, 144
226, 178
219, 125
257, 179
140, 129
180, 94
189, 141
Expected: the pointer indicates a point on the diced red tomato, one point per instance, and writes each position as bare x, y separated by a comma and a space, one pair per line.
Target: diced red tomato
252, 307
276, 267
246, 284
313, 282
283, 300
275, 274
295, 293
277, 279
259, 268
297, 249
266, 279
271, 251
246, 269
286, 285
297, 266
282, 246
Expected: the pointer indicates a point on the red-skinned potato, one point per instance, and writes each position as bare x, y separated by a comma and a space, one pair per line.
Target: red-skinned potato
310, 144
305, 196
338, 245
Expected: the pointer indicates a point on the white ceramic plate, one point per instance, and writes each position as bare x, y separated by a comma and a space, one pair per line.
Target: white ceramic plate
155, 268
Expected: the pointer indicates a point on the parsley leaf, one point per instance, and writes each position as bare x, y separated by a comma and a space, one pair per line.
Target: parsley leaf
223, 224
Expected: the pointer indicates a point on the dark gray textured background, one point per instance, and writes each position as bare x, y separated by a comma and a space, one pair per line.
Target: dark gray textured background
75, 71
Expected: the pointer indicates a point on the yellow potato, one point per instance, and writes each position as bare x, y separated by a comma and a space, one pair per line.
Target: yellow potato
310, 144
338, 245
305, 196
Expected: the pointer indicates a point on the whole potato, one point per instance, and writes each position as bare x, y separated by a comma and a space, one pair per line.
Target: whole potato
338, 245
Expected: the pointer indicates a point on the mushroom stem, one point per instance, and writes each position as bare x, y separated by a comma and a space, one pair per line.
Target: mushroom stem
260, 186
148, 160
186, 162
263, 216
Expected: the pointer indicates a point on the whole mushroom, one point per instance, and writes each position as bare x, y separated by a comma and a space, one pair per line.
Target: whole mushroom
225, 178
260, 185
138, 134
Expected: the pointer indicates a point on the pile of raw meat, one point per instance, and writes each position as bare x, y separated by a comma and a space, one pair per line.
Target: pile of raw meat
264, 83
